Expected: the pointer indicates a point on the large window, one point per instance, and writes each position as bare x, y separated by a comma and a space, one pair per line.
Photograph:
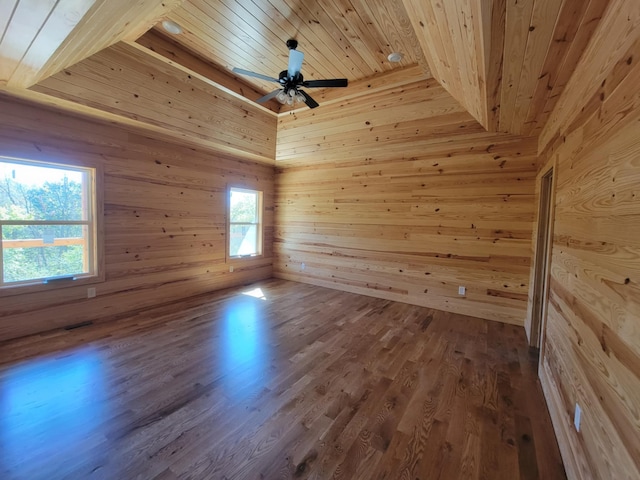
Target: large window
47, 219
245, 222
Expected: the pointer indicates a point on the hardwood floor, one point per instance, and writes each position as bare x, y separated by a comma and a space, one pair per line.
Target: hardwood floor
276, 380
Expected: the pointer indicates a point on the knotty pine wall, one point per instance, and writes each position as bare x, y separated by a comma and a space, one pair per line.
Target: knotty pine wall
129, 83
591, 353
164, 217
401, 194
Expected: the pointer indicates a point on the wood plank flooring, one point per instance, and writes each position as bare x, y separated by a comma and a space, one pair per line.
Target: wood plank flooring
276, 380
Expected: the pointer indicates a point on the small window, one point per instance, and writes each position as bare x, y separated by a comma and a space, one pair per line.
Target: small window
245, 222
47, 221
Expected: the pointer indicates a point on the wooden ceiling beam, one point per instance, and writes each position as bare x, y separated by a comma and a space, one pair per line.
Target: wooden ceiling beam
39, 42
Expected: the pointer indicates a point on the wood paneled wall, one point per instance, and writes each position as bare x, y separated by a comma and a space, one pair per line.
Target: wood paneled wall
127, 83
591, 353
401, 194
164, 217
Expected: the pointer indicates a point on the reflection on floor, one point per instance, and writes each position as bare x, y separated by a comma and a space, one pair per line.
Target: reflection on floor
278, 380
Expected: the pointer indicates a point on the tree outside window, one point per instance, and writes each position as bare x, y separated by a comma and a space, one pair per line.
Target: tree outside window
46, 221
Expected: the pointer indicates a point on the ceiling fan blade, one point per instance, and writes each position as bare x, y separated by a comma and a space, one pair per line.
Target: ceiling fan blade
311, 103
335, 82
295, 63
268, 96
254, 74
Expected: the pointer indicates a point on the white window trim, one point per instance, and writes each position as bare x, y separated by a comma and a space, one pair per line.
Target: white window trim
259, 224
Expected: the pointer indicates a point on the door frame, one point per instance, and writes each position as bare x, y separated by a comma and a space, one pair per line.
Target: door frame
542, 257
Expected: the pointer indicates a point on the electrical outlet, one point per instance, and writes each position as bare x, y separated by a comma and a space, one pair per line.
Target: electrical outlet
231, 268
91, 292
577, 416
462, 290
302, 265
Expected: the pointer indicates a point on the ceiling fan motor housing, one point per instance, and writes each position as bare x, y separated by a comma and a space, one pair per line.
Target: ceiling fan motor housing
291, 80
289, 83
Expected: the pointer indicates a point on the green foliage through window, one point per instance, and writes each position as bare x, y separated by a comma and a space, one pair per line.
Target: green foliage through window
45, 220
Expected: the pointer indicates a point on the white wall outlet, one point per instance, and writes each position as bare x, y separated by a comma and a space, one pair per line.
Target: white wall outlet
91, 292
462, 290
231, 268
577, 416
302, 265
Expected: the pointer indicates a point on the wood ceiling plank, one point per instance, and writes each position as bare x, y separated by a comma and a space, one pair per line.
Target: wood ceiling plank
340, 38
7, 8
517, 23
493, 32
316, 54
539, 42
23, 25
440, 26
63, 19
241, 32
352, 29
396, 9
43, 37
321, 41
569, 21
467, 45
321, 27
462, 40
616, 33
430, 44
384, 27
453, 38
538, 116
197, 39
383, 20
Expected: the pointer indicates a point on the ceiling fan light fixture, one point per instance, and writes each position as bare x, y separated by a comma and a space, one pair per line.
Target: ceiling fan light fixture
171, 27
395, 57
282, 96
291, 79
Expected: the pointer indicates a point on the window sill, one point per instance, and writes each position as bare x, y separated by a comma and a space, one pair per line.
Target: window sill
39, 286
240, 258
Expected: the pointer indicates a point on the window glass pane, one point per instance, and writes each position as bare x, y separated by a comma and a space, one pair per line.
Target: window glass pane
243, 207
243, 240
33, 252
34, 192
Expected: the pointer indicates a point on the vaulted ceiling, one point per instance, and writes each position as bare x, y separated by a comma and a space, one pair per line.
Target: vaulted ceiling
505, 61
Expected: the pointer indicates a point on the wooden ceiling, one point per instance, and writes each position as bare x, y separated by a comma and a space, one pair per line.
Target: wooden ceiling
340, 39
505, 61
41, 37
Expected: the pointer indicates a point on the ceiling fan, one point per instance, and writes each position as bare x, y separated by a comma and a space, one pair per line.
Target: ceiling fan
291, 80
